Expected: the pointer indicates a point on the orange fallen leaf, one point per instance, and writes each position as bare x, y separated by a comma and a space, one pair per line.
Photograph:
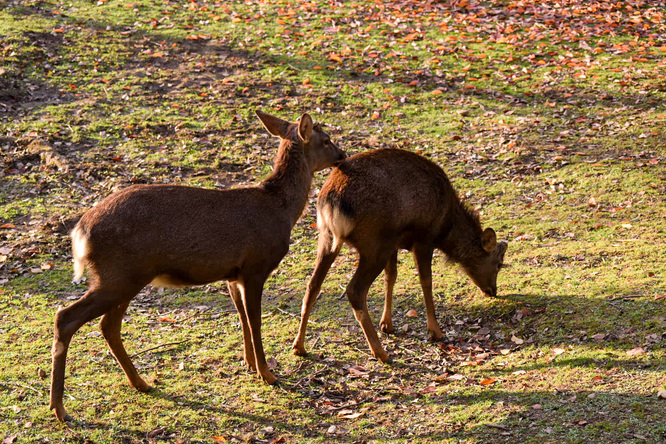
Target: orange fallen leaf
8, 226
487, 381
636, 351
437, 91
375, 116
411, 313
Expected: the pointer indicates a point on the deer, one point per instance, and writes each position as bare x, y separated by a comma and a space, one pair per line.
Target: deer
177, 236
379, 202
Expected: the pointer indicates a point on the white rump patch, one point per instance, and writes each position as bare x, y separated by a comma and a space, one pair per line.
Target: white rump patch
80, 250
332, 219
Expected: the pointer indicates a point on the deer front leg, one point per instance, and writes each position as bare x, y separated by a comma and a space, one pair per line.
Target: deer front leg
423, 258
248, 348
252, 289
390, 276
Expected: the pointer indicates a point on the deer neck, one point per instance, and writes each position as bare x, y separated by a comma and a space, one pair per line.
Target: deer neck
291, 179
462, 240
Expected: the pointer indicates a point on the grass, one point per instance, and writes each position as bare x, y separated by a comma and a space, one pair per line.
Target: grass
548, 119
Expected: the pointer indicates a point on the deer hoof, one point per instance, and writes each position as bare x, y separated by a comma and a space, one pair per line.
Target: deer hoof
62, 415
269, 378
436, 336
299, 350
384, 357
145, 388
141, 386
386, 327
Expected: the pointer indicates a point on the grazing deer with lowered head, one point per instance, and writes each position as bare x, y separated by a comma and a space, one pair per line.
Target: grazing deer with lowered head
383, 200
180, 236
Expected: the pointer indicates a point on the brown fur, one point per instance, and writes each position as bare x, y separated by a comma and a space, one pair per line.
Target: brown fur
178, 236
384, 200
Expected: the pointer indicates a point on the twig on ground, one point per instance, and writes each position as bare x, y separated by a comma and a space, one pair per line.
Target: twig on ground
21, 385
157, 346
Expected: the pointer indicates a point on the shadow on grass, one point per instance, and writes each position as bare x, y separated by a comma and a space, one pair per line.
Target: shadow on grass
526, 416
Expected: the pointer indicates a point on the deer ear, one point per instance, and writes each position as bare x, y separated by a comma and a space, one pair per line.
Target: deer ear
305, 127
274, 125
488, 240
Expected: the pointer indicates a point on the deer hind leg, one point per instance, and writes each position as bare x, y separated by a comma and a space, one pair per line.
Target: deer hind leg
357, 292
93, 304
327, 251
423, 258
248, 348
252, 289
390, 276
110, 326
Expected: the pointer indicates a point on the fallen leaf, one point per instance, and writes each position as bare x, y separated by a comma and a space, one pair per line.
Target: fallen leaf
661, 394
487, 381
155, 432
636, 351
357, 370
558, 351
411, 313
516, 340
219, 439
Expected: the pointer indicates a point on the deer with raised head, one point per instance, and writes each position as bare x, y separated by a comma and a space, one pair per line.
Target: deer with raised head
384, 200
168, 235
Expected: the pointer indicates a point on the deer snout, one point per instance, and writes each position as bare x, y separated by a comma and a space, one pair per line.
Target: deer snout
341, 157
490, 291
